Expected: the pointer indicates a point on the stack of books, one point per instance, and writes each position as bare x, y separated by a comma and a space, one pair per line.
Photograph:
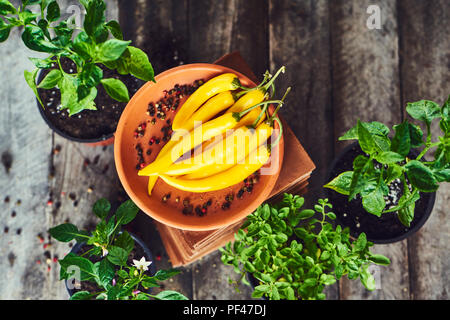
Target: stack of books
184, 247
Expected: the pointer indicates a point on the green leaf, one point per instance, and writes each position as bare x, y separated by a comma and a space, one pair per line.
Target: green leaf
424, 110
114, 27
64, 232
389, 157
341, 183
69, 97
83, 46
101, 208
421, 176
442, 175
378, 130
367, 279
42, 63
361, 183
327, 279
406, 215
51, 79
106, 272
124, 241
366, 141
150, 282
379, 259
112, 49
393, 172
85, 266
53, 11
6, 7
360, 243
85, 100
5, 30
162, 275
306, 214
81, 295
374, 202
27, 16
117, 255
139, 65
401, 143
249, 267
63, 34
416, 135
116, 89
170, 295
30, 78
126, 212
95, 19
33, 37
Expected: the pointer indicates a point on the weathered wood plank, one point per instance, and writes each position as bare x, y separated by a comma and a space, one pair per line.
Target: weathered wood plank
25, 145
425, 66
159, 28
220, 27
214, 29
79, 175
300, 40
366, 87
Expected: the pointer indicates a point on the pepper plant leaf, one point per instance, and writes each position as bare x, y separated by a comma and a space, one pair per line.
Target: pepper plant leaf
6, 7
341, 183
126, 212
116, 89
401, 143
421, 176
424, 110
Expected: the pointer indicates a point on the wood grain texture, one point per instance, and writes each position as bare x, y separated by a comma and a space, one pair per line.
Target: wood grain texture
216, 28
300, 40
425, 66
25, 146
366, 87
160, 28
220, 27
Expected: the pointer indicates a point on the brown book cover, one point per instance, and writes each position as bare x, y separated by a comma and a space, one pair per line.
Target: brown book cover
184, 247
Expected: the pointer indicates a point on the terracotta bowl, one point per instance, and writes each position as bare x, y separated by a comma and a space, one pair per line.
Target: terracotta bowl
170, 212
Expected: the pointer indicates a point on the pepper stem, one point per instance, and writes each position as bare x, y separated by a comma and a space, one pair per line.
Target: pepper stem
281, 104
280, 134
239, 115
272, 79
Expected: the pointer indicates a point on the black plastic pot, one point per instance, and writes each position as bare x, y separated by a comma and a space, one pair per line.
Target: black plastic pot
138, 242
104, 139
380, 230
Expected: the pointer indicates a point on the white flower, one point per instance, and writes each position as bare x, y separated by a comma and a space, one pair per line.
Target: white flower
142, 264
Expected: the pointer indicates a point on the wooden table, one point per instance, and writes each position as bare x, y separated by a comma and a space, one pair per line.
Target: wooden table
340, 71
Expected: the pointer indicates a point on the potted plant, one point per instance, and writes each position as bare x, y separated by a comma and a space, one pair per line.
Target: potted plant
81, 85
110, 263
384, 186
292, 254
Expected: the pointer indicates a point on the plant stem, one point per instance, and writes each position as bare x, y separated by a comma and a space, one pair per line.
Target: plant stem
428, 147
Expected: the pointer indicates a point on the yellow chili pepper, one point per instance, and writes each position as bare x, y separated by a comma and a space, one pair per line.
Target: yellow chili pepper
251, 98
224, 179
152, 179
222, 154
193, 139
221, 83
210, 108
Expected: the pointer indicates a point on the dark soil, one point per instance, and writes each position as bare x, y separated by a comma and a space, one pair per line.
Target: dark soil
384, 229
88, 124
